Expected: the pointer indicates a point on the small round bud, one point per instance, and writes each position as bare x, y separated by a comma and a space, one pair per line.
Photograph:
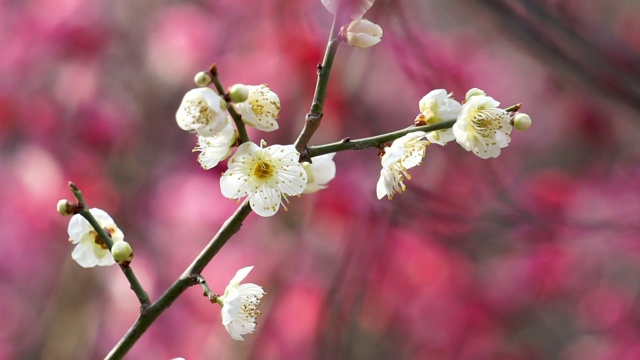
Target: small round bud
64, 207
238, 93
202, 79
473, 92
223, 104
122, 252
522, 121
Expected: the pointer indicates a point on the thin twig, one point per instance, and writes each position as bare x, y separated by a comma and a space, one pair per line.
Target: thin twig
187, 279
137, 288
314, 116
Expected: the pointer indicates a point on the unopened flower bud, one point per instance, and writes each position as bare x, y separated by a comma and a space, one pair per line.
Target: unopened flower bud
238, 93
522, 121
122, 252
64, 207
474, 92
202, 79
362, 33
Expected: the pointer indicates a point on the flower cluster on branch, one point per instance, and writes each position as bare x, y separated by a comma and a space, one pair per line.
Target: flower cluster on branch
267, 175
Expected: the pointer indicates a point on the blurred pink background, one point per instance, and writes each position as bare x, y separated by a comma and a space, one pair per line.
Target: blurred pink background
533, 255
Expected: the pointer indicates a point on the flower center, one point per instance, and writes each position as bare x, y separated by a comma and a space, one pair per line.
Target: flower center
263, 170
98, 240
486, 122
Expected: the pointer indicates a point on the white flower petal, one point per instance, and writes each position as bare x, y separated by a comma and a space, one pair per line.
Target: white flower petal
83, 254
231, 305
78, 227
214, 149
240, 275
265, 201
319, 173
355, 8
381, 189
363, 33
264, 175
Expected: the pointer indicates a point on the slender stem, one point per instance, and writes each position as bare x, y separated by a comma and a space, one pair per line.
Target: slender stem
377, 141
374, 141
137, 288
314, 116
206, 290
233, 224
191, 275
187, 279
237, 118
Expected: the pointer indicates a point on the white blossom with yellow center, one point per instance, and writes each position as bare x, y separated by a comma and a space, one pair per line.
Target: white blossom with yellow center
435, 107
216, 148
482, 127
261, 108
266, 175
202, 111
239, 305
90, 250
404, 153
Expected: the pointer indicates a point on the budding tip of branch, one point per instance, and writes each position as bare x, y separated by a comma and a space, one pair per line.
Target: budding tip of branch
214, 69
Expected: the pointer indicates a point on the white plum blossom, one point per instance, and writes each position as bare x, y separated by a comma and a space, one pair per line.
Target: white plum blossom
404, 153
216, 148
202, 111
362, 33
435, 107
239, 305
482, 127
90, 250
265, 175
261, 108
355, 8
319, 172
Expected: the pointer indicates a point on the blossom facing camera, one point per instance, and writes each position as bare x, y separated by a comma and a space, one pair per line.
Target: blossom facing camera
202, 111
482, 127
216, 148
239, 305
265, 175
403, 154
362, 33
261, 108
435, 107
90, 250
319, 172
